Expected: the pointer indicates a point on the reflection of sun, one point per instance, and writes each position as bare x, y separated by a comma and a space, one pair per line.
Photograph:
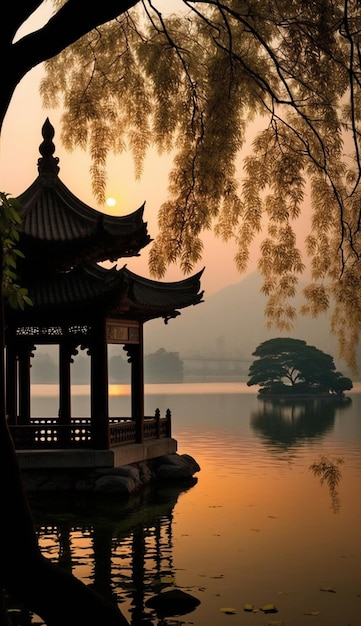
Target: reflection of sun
119, 390
110, 202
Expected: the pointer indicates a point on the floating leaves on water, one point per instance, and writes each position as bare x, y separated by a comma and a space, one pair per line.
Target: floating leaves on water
167, 580
329, 589
313, 613
228, 610
248, 607
269, 608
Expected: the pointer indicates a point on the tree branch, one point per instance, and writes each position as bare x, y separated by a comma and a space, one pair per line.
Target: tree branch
14, 14
70, 23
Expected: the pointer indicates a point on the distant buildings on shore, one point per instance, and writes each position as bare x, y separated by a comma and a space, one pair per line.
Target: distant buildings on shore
159, 367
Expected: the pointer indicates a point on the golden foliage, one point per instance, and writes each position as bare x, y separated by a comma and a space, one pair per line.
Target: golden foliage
191, 83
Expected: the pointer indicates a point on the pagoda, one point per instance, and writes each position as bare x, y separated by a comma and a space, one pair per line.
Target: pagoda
79, 303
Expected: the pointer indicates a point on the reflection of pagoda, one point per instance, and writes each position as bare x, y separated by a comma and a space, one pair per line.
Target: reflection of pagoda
79, 303
125, 556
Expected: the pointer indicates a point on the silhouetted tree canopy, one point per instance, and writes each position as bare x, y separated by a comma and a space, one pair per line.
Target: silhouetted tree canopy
291, 366
192, 83
130, 75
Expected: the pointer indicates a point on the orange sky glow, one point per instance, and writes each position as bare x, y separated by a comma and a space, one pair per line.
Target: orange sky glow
19, 152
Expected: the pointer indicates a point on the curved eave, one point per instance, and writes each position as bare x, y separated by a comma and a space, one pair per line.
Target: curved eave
91, 290
150, 299
83, 291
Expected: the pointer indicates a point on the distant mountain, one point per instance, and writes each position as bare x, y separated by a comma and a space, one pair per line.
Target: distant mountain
231, 323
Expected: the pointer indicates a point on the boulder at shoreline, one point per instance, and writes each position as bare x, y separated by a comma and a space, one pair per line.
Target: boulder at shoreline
123, 481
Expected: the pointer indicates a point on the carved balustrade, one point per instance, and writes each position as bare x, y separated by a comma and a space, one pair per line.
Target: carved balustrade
47, 433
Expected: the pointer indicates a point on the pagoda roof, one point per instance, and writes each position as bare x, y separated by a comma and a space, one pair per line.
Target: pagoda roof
149, 299
60, 231
91, 289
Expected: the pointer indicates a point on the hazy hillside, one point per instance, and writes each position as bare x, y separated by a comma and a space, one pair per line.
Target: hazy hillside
231, 323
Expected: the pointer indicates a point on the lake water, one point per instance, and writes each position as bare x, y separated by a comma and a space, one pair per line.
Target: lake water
258, 527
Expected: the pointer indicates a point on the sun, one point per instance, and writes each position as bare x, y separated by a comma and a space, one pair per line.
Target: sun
111, 202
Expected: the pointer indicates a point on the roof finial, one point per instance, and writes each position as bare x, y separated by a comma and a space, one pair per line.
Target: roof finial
48, 164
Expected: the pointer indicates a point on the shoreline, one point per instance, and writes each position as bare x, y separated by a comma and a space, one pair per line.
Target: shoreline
303, 396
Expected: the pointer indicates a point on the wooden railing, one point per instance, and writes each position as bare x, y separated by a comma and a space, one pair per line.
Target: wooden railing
47, 433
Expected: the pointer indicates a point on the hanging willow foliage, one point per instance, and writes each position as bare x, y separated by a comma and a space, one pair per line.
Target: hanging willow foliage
192, 83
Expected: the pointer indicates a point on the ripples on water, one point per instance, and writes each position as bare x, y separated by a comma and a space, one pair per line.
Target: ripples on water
258, 527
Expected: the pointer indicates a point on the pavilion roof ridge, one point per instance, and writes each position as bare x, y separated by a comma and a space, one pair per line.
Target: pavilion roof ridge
60, 227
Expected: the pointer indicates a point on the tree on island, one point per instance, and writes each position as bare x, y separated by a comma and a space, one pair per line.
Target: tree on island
287, 366
192, 83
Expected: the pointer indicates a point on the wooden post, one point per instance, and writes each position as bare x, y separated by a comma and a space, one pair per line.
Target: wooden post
64, 385
99, 387
11, 385
24, 384
64, 391
157, 422
137, 385
169, 422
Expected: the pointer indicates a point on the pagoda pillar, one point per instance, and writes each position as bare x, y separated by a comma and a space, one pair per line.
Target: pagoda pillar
135, 352
99, 398
25, 353
65, 359
11, 384
64, 385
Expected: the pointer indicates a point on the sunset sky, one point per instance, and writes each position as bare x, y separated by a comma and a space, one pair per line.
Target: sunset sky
19, 152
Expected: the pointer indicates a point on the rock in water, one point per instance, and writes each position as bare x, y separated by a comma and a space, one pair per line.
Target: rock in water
173, 602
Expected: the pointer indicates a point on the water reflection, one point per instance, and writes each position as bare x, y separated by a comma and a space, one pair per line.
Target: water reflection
284, 423
258, 527
124, 551
328, 471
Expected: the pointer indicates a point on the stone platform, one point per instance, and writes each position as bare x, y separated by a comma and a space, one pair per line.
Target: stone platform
120, 471
96, 459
